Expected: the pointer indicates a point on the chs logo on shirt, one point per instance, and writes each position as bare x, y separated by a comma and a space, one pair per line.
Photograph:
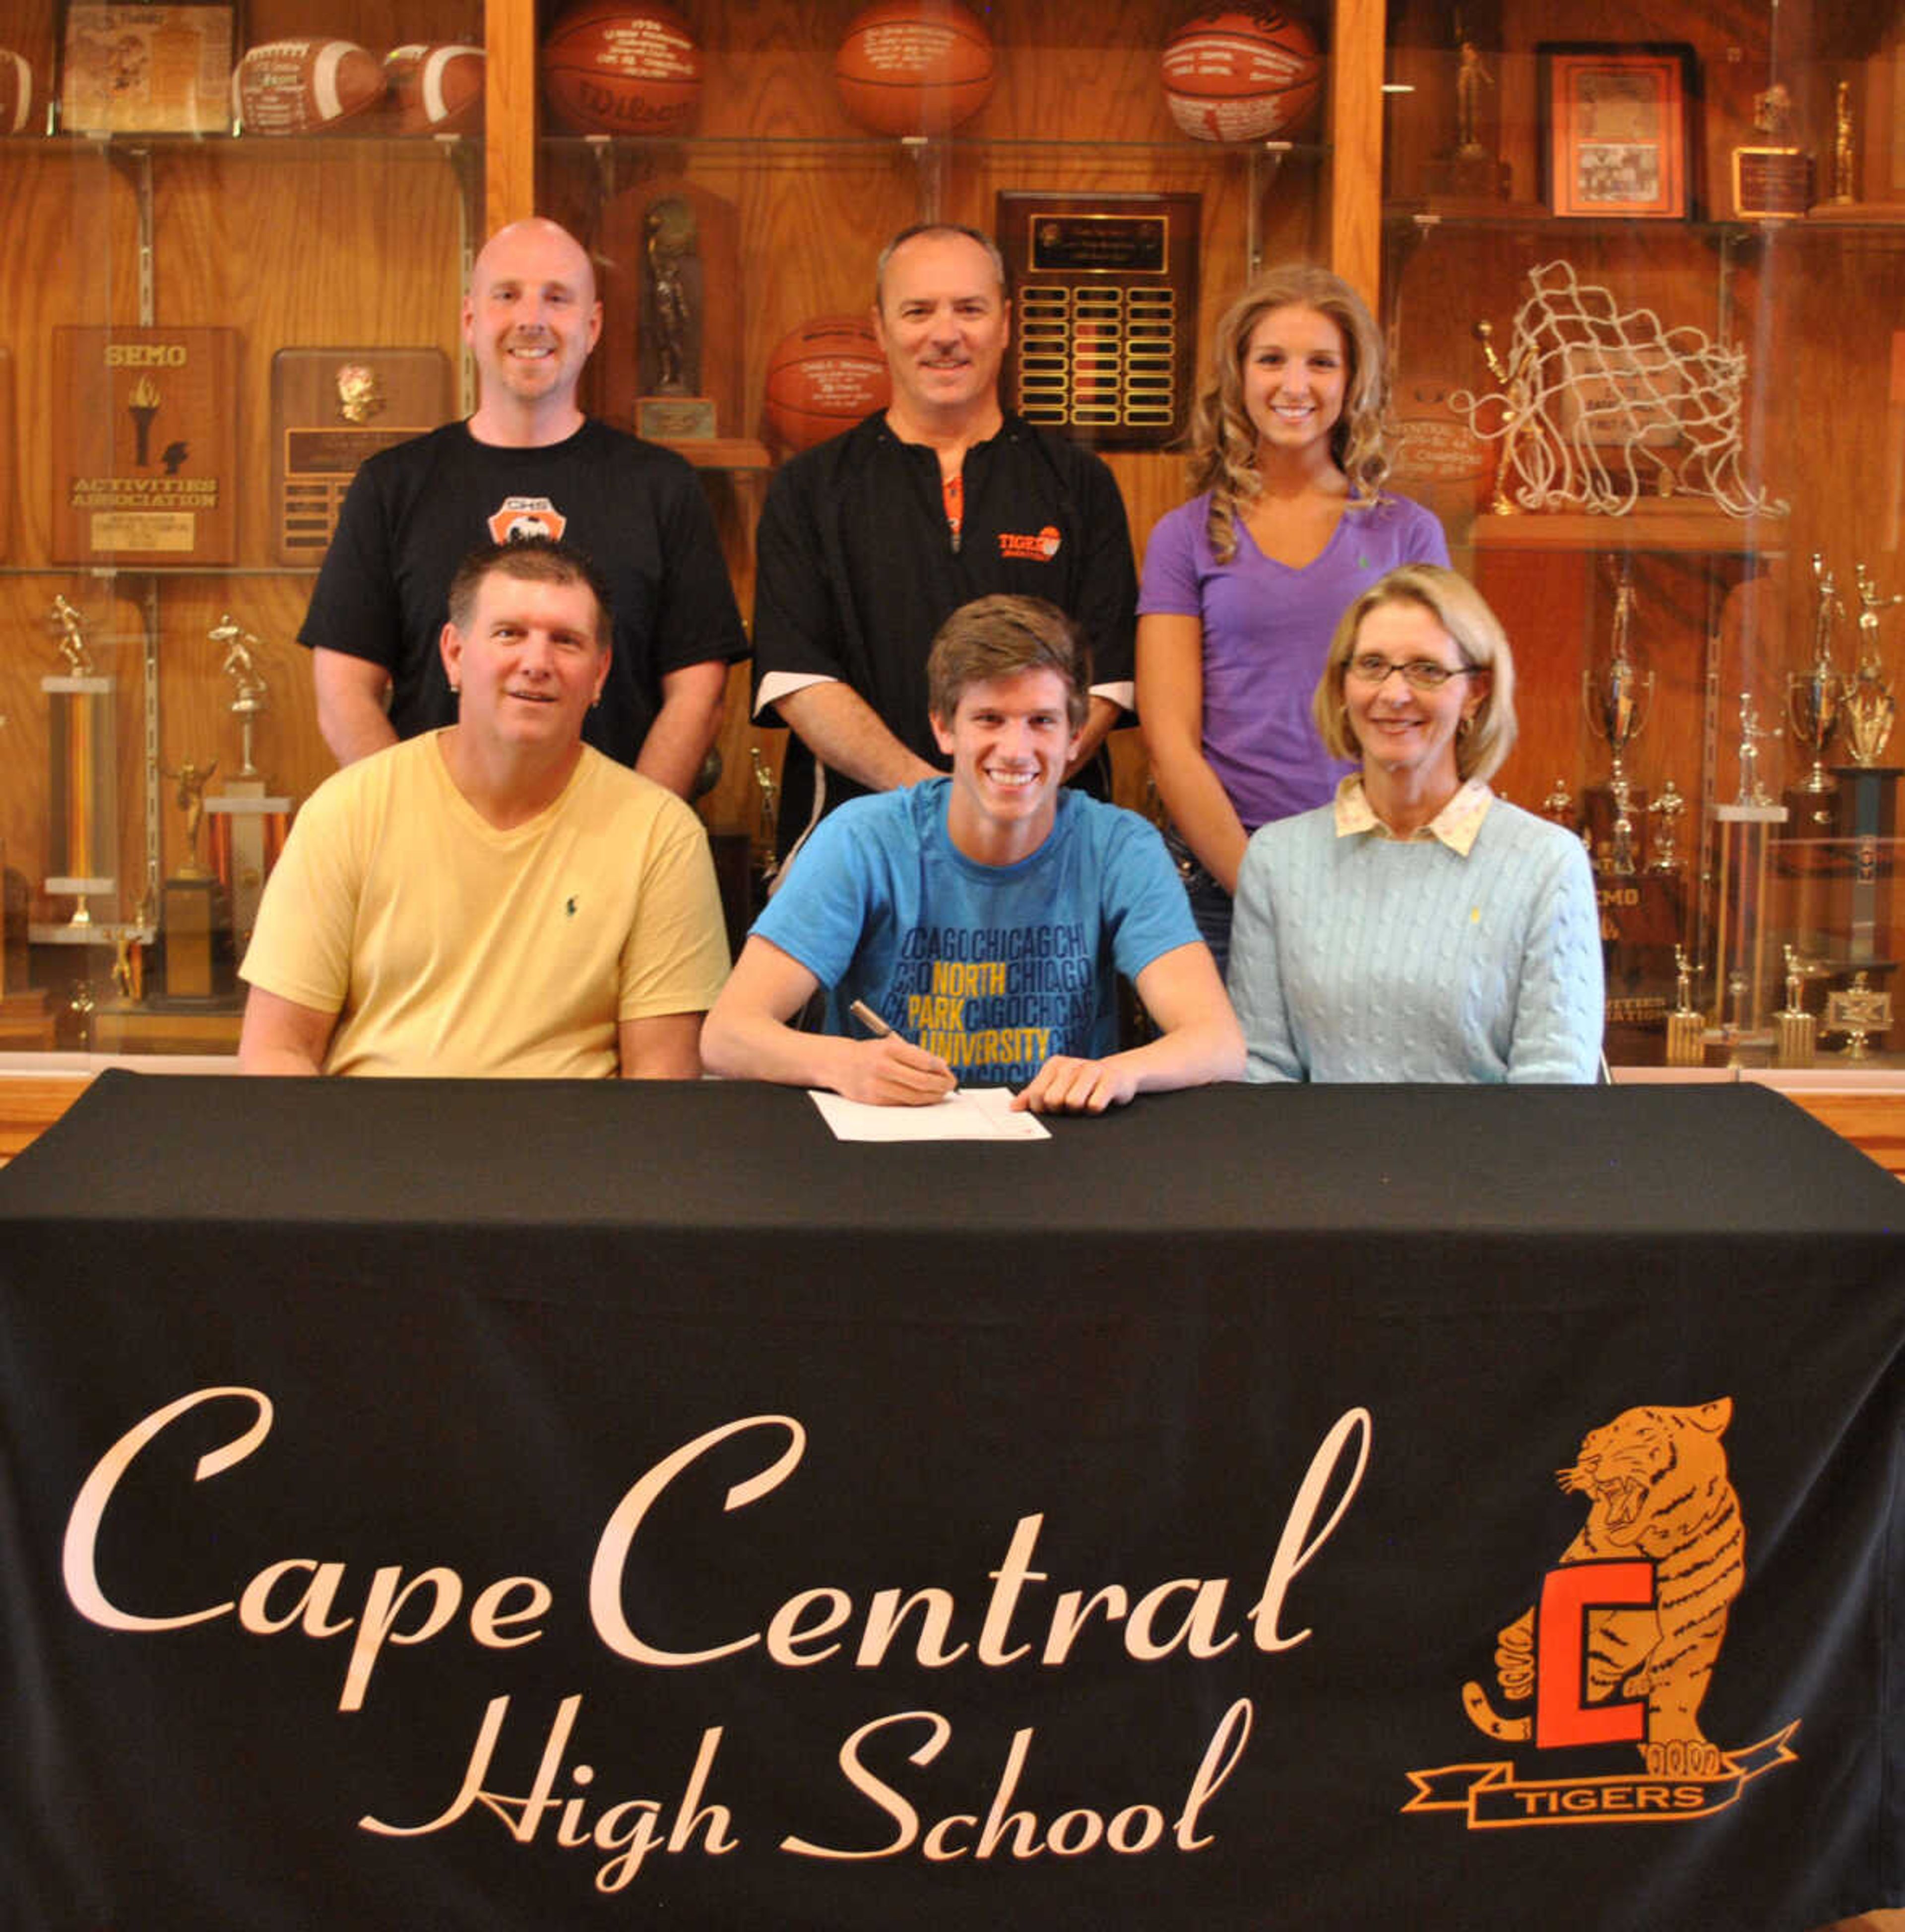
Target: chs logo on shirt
522, 516
1039, 549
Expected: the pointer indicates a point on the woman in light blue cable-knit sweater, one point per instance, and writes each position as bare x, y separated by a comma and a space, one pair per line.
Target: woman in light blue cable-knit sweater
1418, 928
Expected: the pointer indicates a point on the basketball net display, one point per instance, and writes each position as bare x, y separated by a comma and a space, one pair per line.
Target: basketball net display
1598, 407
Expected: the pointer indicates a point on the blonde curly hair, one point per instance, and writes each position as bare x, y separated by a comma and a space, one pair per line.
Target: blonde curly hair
1223, 442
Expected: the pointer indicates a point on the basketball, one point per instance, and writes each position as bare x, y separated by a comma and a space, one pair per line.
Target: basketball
822, 377
1244, 76
621, 67
915, 66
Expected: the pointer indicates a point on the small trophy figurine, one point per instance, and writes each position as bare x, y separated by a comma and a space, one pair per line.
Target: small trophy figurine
193, 779
1869, 706
1618, 697
1558, 806
1857, 1011
249, 687
68, 629
1752, 790
1814, 695
1685, 1041
1795, 1030
766, 860
1842, 144
1666, 811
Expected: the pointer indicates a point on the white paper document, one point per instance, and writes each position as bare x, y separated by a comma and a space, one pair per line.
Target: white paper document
971, 1114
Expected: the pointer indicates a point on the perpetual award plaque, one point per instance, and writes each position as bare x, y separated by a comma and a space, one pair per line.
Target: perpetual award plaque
331, 408
133, 66
145, 445
1105, 341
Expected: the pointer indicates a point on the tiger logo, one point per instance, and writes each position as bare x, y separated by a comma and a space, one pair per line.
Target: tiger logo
1660, 1491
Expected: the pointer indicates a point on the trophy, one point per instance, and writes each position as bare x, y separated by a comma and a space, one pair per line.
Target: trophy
1814, 696
1558, 808
1857, 1011
766, 860
190, 895
82, 827
1753, 790
1869, 707
668, 351
1685, 1029
1773, 177
248, 825
1794, 1029
1666, 811
1842, 145
1618, 698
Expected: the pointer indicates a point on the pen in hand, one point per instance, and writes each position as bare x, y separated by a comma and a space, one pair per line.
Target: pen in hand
871, 1021
880, 1029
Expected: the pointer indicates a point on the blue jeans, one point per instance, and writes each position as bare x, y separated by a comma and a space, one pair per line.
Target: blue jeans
1210, 904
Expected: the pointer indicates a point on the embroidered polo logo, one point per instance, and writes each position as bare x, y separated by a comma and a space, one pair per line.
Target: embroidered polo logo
521, 516
1039, 549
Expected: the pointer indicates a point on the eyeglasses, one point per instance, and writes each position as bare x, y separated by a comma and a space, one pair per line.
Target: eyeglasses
1419, 674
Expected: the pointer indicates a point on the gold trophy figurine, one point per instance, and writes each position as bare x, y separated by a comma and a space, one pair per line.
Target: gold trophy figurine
1842, 145
1814, 695
1685, 1029
249, 687
1795, 1030
1666, 811
1858, 1011
68, 629
767, 861
1869, 706
193, 779
1752, 791
1618, 698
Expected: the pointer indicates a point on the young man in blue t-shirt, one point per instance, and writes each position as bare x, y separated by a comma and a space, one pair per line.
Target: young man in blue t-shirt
982, 918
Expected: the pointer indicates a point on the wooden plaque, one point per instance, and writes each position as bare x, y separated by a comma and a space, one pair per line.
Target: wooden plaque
331, 408
146, 69
1105, 288
145, 445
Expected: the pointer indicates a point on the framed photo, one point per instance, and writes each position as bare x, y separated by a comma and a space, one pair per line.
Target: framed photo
1616, 130
131, 67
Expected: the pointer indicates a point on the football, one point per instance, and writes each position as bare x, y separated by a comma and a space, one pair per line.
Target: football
435, 90
16, 93
622, 67
305, 87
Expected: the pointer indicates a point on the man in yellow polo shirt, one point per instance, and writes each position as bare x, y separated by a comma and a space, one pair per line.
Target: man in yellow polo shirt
494, 898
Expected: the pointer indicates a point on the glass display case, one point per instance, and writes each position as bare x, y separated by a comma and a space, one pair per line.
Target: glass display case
1643, 294
1641, 291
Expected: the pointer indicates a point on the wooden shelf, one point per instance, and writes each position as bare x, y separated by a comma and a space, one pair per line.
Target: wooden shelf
1685, 525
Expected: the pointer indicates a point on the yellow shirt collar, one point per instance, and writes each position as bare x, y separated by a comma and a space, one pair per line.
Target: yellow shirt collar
1456, 825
